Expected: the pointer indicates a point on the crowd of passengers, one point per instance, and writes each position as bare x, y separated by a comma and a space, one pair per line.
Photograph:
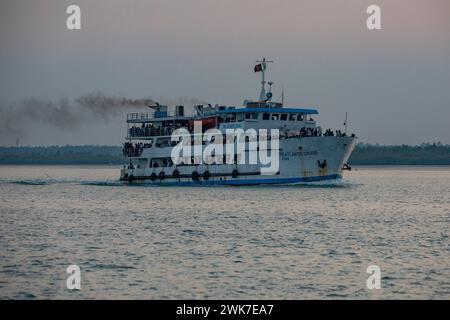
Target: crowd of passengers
147, 130
310, 132
134, 150
165, 163
315, 132
330, 133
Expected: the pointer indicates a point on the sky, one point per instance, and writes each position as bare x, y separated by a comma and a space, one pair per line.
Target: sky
394, 82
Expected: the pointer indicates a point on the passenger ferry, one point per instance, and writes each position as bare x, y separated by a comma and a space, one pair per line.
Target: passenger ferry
306, 153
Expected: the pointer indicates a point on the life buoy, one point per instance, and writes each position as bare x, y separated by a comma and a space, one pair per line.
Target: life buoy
322, 164
162, 175
235, 173
153, 176
206, 175
176, 174
195, 176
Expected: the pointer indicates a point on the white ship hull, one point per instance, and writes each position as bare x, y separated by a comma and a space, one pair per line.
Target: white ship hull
299, 162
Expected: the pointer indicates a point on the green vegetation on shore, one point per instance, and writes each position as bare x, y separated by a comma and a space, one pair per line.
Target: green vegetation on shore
364, 154
424, 154
62, 155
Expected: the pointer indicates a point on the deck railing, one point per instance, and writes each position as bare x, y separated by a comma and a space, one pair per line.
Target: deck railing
145, 116
137, 116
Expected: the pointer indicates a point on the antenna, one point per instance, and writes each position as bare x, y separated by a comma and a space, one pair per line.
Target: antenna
345, 124
262, 95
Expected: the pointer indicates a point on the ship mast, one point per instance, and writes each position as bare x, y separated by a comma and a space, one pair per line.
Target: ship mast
262, 95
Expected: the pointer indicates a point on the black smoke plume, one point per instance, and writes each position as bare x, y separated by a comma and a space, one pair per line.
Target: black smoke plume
20, 118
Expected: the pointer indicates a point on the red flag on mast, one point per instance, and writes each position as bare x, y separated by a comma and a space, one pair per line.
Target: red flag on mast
258, 68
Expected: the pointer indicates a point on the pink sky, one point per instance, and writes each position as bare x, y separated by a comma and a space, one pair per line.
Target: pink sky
394, 82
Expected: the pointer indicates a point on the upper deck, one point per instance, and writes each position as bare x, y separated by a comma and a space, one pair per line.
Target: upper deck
263, 113
156, 116
142, 117
269, 110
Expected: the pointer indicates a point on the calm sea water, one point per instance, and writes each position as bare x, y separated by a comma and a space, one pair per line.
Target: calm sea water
295, 242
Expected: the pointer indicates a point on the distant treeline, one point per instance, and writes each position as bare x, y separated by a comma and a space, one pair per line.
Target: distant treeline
364, 154
62, 155
424, 154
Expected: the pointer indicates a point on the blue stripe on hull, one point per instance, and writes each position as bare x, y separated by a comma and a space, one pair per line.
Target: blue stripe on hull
244, 182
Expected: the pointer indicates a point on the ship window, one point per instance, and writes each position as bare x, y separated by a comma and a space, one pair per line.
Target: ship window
283, 116
292, 117
266, 116
231, 118
252, 115
300, 117
275, 116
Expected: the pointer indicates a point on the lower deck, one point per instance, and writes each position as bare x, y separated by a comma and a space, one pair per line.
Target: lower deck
298, 161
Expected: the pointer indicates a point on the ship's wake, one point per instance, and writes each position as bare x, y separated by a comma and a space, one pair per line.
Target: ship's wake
47, 182
334, 183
